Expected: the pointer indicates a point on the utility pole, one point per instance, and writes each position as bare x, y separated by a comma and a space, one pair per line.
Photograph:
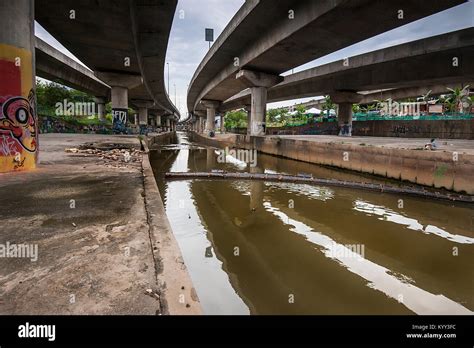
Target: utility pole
175, 94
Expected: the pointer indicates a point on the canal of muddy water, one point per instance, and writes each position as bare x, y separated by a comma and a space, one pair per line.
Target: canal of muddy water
255, 247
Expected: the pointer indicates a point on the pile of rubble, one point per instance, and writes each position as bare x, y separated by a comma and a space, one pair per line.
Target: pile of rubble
114, 157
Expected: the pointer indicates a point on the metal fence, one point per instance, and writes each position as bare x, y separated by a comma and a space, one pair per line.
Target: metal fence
446, 116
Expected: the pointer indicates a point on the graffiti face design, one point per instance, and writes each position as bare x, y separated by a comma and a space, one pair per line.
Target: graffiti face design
18, 118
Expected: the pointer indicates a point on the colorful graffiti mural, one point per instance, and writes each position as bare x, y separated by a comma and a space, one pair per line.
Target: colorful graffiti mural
18, 120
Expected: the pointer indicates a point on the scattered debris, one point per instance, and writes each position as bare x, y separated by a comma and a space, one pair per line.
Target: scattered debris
72, 150
153, 294
116, 157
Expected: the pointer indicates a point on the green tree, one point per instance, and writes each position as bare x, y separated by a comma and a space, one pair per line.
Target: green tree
235, 119
328, 105
456, 97
48, 94
273, 115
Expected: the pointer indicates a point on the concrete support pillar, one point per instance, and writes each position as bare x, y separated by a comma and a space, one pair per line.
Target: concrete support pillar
100, 102
344, 101
344, 119
135, 119
258, 111
198, 124
143, 116
211, 119
211, 106
143, 107
201, 121
222, 123
119, 96
168, 125
247, 109
120, 84
17, 86
158, 121
258, 83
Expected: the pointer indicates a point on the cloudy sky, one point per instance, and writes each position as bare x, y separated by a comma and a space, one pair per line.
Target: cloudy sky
187, 46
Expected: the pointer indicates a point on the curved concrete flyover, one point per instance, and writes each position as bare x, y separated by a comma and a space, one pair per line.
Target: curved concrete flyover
123, 42
264, 35
446, 59
54, 65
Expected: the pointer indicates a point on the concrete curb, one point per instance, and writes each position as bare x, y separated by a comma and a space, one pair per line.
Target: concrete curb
177, 294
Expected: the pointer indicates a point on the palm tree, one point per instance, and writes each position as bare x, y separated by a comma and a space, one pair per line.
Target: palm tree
458, 95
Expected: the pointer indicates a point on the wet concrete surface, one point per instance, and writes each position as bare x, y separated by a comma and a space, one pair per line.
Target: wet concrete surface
88, 219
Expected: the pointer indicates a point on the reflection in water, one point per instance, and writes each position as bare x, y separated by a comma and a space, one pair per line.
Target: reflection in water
412, 224
418, 300
252, 245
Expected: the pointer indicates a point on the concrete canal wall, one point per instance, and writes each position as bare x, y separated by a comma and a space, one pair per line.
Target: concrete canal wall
440, 129
158, 139
448, 170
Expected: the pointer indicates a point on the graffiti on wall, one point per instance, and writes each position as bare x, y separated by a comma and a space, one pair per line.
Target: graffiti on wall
18, 120
403, 129
119, 117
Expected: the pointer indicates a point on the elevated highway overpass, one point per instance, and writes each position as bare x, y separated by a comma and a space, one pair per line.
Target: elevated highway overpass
126, 48
54, 65
397, 72
260, 43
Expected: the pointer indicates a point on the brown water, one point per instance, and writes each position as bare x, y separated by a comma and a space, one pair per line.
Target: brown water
280, 248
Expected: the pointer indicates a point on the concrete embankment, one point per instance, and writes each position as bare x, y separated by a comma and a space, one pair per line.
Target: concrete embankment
99, 236
448, 169
155, 139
